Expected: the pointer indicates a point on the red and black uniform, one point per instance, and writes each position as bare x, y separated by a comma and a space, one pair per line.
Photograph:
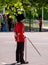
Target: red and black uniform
40, 25
19, 37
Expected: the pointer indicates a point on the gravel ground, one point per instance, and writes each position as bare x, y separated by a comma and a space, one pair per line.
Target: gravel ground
8, 47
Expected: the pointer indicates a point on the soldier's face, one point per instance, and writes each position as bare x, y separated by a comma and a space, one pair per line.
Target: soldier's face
22, 20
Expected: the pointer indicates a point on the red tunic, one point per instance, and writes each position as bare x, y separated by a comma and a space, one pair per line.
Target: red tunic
19, 31
40, 22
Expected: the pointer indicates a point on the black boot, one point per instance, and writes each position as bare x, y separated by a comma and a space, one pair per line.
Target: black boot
23, 62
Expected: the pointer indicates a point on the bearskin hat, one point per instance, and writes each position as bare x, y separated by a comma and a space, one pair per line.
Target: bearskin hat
20, 17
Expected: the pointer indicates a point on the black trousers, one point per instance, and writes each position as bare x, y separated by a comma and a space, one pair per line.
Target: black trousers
20, 52
40, 28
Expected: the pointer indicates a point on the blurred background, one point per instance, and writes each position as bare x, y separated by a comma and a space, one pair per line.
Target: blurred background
32, 10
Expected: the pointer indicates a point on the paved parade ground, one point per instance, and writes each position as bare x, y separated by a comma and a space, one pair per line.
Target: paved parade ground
8, 47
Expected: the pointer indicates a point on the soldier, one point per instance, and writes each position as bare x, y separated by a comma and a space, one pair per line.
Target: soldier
20, 38
40, 23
